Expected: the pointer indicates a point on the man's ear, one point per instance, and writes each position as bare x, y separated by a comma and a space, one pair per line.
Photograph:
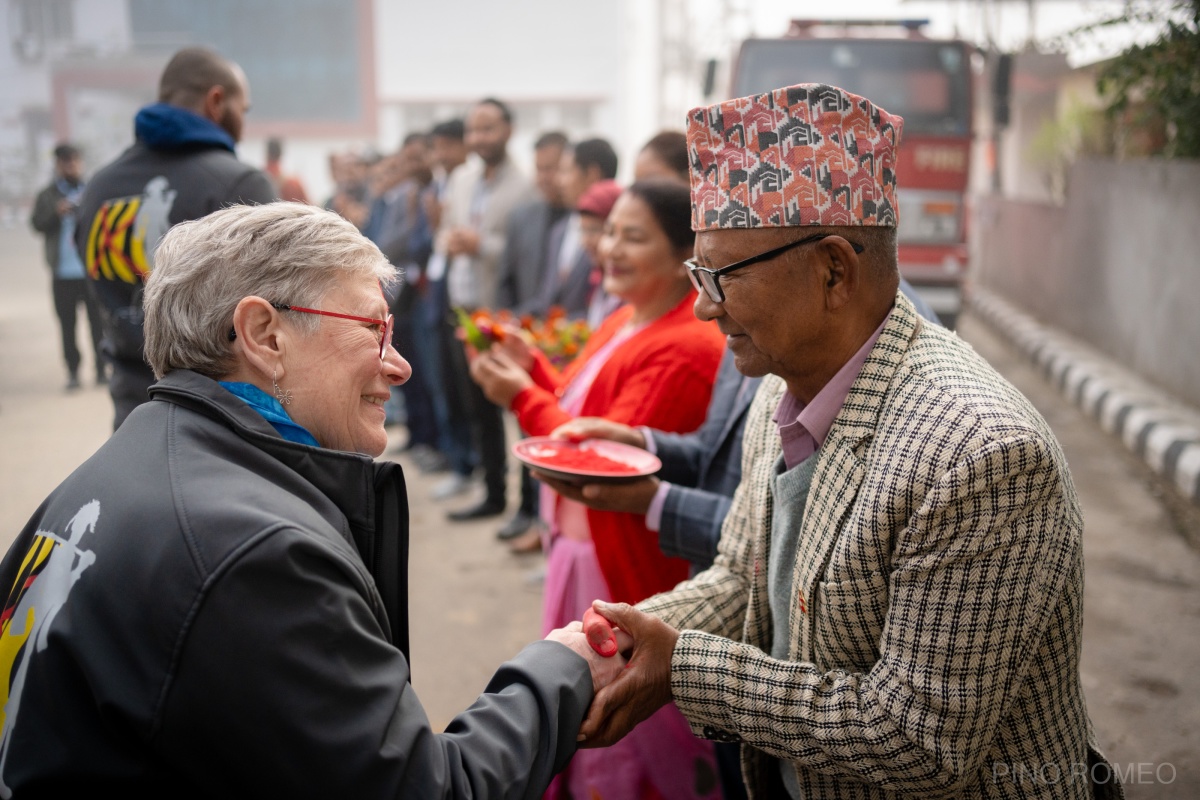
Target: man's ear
259, 335
214, 103
841, 270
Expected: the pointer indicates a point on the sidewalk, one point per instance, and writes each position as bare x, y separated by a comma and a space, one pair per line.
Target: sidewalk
1158, 429
1141, 591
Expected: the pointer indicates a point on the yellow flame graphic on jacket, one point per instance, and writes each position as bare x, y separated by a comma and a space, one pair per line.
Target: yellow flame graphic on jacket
113, 251
125, 233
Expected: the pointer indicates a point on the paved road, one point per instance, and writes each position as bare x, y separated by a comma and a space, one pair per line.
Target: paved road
472, 605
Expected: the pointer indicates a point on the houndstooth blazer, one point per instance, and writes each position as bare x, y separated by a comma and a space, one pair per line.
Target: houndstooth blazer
935, 632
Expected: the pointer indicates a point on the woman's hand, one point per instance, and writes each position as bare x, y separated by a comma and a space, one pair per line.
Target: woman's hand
598, 428
604, 669
499, 376
514, 345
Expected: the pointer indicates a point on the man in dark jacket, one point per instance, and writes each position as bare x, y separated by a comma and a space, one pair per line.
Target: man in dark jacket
181, 167
54, 218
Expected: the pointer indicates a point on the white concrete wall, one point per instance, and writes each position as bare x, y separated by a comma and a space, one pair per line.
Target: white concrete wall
1118, 265
100, 27
534, 53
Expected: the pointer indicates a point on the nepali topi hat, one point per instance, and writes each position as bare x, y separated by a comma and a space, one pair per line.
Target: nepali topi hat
809, 154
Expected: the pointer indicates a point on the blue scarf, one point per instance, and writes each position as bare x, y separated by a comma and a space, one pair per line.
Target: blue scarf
270, 410
166, 127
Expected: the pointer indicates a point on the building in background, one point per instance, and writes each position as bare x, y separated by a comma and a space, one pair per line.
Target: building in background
35, 37
331, 75
325, 75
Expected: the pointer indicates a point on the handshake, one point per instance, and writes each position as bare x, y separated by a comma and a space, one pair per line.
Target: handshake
629, 654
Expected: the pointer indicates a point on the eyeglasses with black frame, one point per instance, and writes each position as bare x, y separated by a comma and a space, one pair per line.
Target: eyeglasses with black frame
385, 325
708, 280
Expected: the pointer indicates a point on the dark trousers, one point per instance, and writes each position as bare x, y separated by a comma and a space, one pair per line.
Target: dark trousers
729, 767
68, 296
449, 402
487, 427
128, 386
422, 420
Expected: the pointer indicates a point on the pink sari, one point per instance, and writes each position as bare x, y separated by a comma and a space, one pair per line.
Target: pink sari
659, 758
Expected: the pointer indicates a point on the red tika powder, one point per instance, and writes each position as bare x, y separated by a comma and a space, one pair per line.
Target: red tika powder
584, 461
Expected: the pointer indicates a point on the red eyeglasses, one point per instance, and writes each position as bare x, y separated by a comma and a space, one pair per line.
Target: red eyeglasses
385, 325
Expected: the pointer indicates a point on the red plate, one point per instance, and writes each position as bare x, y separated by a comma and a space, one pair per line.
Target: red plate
589, 461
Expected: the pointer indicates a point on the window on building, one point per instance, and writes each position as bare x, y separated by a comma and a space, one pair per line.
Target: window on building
39, 23
49, 20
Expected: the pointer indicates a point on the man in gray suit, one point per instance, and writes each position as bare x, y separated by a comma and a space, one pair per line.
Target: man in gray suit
527, 255
569, 281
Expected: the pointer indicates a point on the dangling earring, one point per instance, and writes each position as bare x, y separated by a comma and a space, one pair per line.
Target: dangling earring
284, 398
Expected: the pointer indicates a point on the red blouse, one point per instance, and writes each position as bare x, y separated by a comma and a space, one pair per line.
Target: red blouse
661, 377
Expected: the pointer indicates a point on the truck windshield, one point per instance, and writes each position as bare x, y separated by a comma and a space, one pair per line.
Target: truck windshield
927, 83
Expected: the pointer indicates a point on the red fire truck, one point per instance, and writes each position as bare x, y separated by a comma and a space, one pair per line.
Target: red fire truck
926, 81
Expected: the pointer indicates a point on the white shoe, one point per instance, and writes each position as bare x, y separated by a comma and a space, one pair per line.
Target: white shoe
452, 486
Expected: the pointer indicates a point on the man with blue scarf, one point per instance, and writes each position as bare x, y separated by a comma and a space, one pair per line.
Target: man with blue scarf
54, 217
181, 167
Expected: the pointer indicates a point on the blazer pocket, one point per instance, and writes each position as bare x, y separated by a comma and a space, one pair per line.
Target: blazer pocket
848, 622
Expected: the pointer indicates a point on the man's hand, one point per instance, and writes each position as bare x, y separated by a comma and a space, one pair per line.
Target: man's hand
604, 670
643, 687
599, 428
433, 209
462, 242
633, 497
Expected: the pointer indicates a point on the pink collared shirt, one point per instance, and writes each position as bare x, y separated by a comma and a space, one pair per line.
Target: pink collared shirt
803, 428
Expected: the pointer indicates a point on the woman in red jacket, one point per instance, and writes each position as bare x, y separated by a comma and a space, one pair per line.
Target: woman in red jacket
651, 362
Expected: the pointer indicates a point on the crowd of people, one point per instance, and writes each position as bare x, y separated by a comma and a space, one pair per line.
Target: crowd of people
468, 230
473, 233
857, 575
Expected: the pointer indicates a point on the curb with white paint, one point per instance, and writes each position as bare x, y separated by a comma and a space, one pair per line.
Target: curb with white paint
1143, 419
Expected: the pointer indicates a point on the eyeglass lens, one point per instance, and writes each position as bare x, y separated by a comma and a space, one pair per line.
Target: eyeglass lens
387, 336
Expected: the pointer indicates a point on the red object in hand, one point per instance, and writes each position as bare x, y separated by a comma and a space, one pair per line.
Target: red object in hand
586, 461
599, 633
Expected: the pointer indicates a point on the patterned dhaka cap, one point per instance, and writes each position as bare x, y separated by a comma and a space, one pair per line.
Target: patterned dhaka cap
809, 154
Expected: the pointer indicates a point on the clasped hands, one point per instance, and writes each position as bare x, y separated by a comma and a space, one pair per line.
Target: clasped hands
630, 656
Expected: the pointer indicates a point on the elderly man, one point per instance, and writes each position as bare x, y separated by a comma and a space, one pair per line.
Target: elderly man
182, 167
895, 608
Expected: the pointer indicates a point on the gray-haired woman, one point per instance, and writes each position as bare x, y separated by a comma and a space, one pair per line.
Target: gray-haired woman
216, 602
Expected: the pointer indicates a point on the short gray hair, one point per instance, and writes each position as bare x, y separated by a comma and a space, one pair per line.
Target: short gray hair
283, 252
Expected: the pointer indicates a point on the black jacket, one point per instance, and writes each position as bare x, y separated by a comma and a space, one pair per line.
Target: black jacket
181, 167
46, 221
206, 624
